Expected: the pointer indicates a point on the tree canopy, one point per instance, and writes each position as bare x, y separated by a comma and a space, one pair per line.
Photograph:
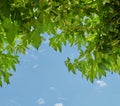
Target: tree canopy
90, 24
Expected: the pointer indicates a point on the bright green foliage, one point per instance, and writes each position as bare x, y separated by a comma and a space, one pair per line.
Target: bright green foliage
92, 24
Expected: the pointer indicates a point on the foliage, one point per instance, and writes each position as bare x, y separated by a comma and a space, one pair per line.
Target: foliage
92, 24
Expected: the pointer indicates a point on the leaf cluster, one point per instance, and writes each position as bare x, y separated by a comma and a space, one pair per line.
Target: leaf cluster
92, 25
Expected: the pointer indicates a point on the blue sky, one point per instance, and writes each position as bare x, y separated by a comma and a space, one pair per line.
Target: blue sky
42, 79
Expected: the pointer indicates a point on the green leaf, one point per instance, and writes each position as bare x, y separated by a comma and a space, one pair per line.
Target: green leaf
6, 77
36, 39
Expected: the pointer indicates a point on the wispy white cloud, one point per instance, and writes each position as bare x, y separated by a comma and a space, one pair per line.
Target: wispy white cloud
13, 101
40, 101
34, 56
52, 88
58, 104
101, 83
35, 66
62, 98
